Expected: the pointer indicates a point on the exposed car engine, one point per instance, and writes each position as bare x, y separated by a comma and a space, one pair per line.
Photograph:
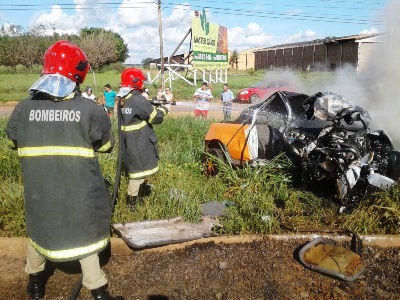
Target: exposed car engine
347, 164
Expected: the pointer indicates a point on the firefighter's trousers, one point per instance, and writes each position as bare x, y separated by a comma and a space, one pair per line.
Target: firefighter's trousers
93, 276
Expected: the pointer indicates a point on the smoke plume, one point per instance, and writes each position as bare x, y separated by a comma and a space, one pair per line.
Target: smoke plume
376, 87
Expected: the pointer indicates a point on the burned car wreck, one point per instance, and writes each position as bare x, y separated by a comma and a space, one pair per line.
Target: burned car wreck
325, 136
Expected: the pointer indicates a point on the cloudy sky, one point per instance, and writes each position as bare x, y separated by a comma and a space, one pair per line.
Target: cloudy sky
250, 23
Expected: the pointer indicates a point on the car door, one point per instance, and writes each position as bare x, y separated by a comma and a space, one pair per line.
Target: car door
263, 91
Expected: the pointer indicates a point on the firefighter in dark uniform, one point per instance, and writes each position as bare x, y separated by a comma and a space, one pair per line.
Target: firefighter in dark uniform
67, 206
139, 145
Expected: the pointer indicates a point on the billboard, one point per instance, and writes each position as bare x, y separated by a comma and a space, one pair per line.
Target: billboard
209, 43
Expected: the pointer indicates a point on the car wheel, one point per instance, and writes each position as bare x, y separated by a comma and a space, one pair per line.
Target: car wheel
211, 161
254, 98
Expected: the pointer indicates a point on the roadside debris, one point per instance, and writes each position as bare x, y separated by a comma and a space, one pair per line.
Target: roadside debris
163, 232
336, 261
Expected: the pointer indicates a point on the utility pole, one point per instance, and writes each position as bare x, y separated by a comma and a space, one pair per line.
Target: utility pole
161, 44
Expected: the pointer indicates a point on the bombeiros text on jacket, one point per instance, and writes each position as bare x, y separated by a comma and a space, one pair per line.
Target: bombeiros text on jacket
58, 115
126, 110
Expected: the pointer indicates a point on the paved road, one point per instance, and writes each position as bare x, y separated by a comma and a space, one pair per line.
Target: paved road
5, 111
181, 107
215, 109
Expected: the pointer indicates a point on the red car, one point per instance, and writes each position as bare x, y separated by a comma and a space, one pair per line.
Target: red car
262, 90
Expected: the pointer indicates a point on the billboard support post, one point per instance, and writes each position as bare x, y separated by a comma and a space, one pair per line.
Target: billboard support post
161, 44
208, 51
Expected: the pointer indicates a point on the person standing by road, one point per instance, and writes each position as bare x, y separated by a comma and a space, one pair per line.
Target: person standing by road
169, 97
67, 206
202, 96
160, 93
146, 94
89, 94
227, 99
109, 97
209, 86
139, 141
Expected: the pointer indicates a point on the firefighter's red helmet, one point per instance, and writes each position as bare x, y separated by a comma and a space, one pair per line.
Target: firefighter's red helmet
66, 59
65, 65
133, 78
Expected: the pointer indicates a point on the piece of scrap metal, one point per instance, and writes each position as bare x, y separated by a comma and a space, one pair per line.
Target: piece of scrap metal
331, 260
163, 232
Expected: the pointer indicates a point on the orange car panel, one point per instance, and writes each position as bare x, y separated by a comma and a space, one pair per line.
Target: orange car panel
233, 136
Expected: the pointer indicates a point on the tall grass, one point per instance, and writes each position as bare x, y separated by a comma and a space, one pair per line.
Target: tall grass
258, 200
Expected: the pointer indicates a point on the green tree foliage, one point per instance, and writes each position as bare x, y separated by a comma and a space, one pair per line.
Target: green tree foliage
233, 59
8, 54
99, 48
120, 47
27, 48
146, 62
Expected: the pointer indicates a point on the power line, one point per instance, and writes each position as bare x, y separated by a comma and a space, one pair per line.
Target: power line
73, 6
279, 15
329, 18
297, 5
247, 4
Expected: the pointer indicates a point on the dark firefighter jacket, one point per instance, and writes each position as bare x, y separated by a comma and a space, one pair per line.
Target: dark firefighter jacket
67, 206
139, 147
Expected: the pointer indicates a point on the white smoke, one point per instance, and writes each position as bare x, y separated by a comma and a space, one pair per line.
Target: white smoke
293, 81
377, 87
381, 78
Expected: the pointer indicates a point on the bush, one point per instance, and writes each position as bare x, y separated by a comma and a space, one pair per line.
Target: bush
114, 67
251, 71
6, 70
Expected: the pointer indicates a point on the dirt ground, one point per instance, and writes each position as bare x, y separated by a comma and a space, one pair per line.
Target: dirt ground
259, 269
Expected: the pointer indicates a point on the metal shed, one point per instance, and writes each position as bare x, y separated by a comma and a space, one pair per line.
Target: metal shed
321, 55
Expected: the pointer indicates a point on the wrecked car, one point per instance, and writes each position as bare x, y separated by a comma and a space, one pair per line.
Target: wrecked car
325, 136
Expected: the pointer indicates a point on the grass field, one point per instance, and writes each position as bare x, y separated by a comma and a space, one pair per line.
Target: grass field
14, 87
261, 200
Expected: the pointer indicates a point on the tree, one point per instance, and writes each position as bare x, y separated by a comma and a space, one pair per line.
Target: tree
233, 59
146, 62
32, 46
99, 48
11, 30
9, 54
9, 45
120, 47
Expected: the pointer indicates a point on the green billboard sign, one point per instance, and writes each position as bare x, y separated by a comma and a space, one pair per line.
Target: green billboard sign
210, 44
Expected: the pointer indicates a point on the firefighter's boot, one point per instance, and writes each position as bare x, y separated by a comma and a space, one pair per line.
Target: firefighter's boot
36, 286
146, 189
101, 293
131, 202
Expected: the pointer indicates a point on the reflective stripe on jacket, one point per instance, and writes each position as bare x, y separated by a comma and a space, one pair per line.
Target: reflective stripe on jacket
67, 206
140, 147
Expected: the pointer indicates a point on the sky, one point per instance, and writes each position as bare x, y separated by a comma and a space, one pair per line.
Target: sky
250, 23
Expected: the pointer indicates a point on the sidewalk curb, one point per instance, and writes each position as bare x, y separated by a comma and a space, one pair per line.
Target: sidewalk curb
16, 247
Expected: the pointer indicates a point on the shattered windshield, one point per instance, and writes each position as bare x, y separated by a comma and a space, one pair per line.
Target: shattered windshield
329, 106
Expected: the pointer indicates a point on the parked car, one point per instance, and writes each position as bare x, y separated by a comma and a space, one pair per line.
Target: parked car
262, 90
325, 136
